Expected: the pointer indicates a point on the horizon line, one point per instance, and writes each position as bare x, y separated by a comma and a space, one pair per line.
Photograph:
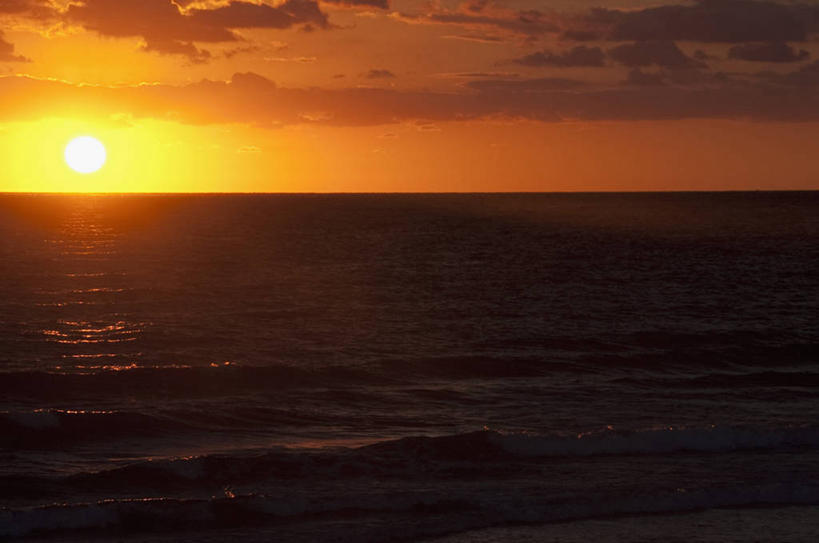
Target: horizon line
397, 193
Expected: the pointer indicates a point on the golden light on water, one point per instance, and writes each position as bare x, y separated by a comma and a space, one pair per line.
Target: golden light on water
85, 154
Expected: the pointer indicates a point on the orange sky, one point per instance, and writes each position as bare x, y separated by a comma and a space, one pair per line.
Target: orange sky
407, 95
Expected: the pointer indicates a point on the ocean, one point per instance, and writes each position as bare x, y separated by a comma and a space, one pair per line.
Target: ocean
453, 367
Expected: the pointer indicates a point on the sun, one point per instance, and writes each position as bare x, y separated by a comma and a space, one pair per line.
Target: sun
85, 154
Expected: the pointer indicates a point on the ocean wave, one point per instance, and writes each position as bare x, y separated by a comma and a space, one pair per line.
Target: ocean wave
58, 428
714, 439
177, 381
766, 379
491, 444
48, 428
221, 379
476, 453
627, 363
434, 511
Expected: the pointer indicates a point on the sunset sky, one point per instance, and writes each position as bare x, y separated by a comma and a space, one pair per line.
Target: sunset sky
410, 95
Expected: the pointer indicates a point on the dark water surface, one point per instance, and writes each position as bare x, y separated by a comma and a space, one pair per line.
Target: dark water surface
393, 367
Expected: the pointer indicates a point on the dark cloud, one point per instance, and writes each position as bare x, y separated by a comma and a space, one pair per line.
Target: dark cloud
230, 53
483, 75
42, 10
476, 6
477, 37
640, 78
525, 85
167, 29
379, 74
694, 76
7, 52
252, 99
246, 15
661, 53
486, 15
581, 35
807, 76
701, 55
767, 52
578, 56
158, 20
18, 6
173, 47
251, 81
729, 21
689, 76
531, 24
381, 4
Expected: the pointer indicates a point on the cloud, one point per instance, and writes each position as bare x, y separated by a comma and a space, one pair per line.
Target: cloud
662, 53
17, 6
303, 60
250, 81
578, 34
248, 15
381, 4
524, 85
172, 47
153, 20
39, 9
708, 21
427, 127
483, 15
43, 10
249, 98
727, 21
7, 52
168, 29
482, 75
578, 56
685, 76
640, 78
701, 55
249, 149
230, 53
767, 52
476, 37
379, 74
807, 76
476, 6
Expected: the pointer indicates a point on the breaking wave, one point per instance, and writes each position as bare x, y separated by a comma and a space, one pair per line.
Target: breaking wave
455, 512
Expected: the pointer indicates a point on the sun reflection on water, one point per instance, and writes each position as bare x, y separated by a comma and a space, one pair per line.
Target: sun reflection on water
87, 294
